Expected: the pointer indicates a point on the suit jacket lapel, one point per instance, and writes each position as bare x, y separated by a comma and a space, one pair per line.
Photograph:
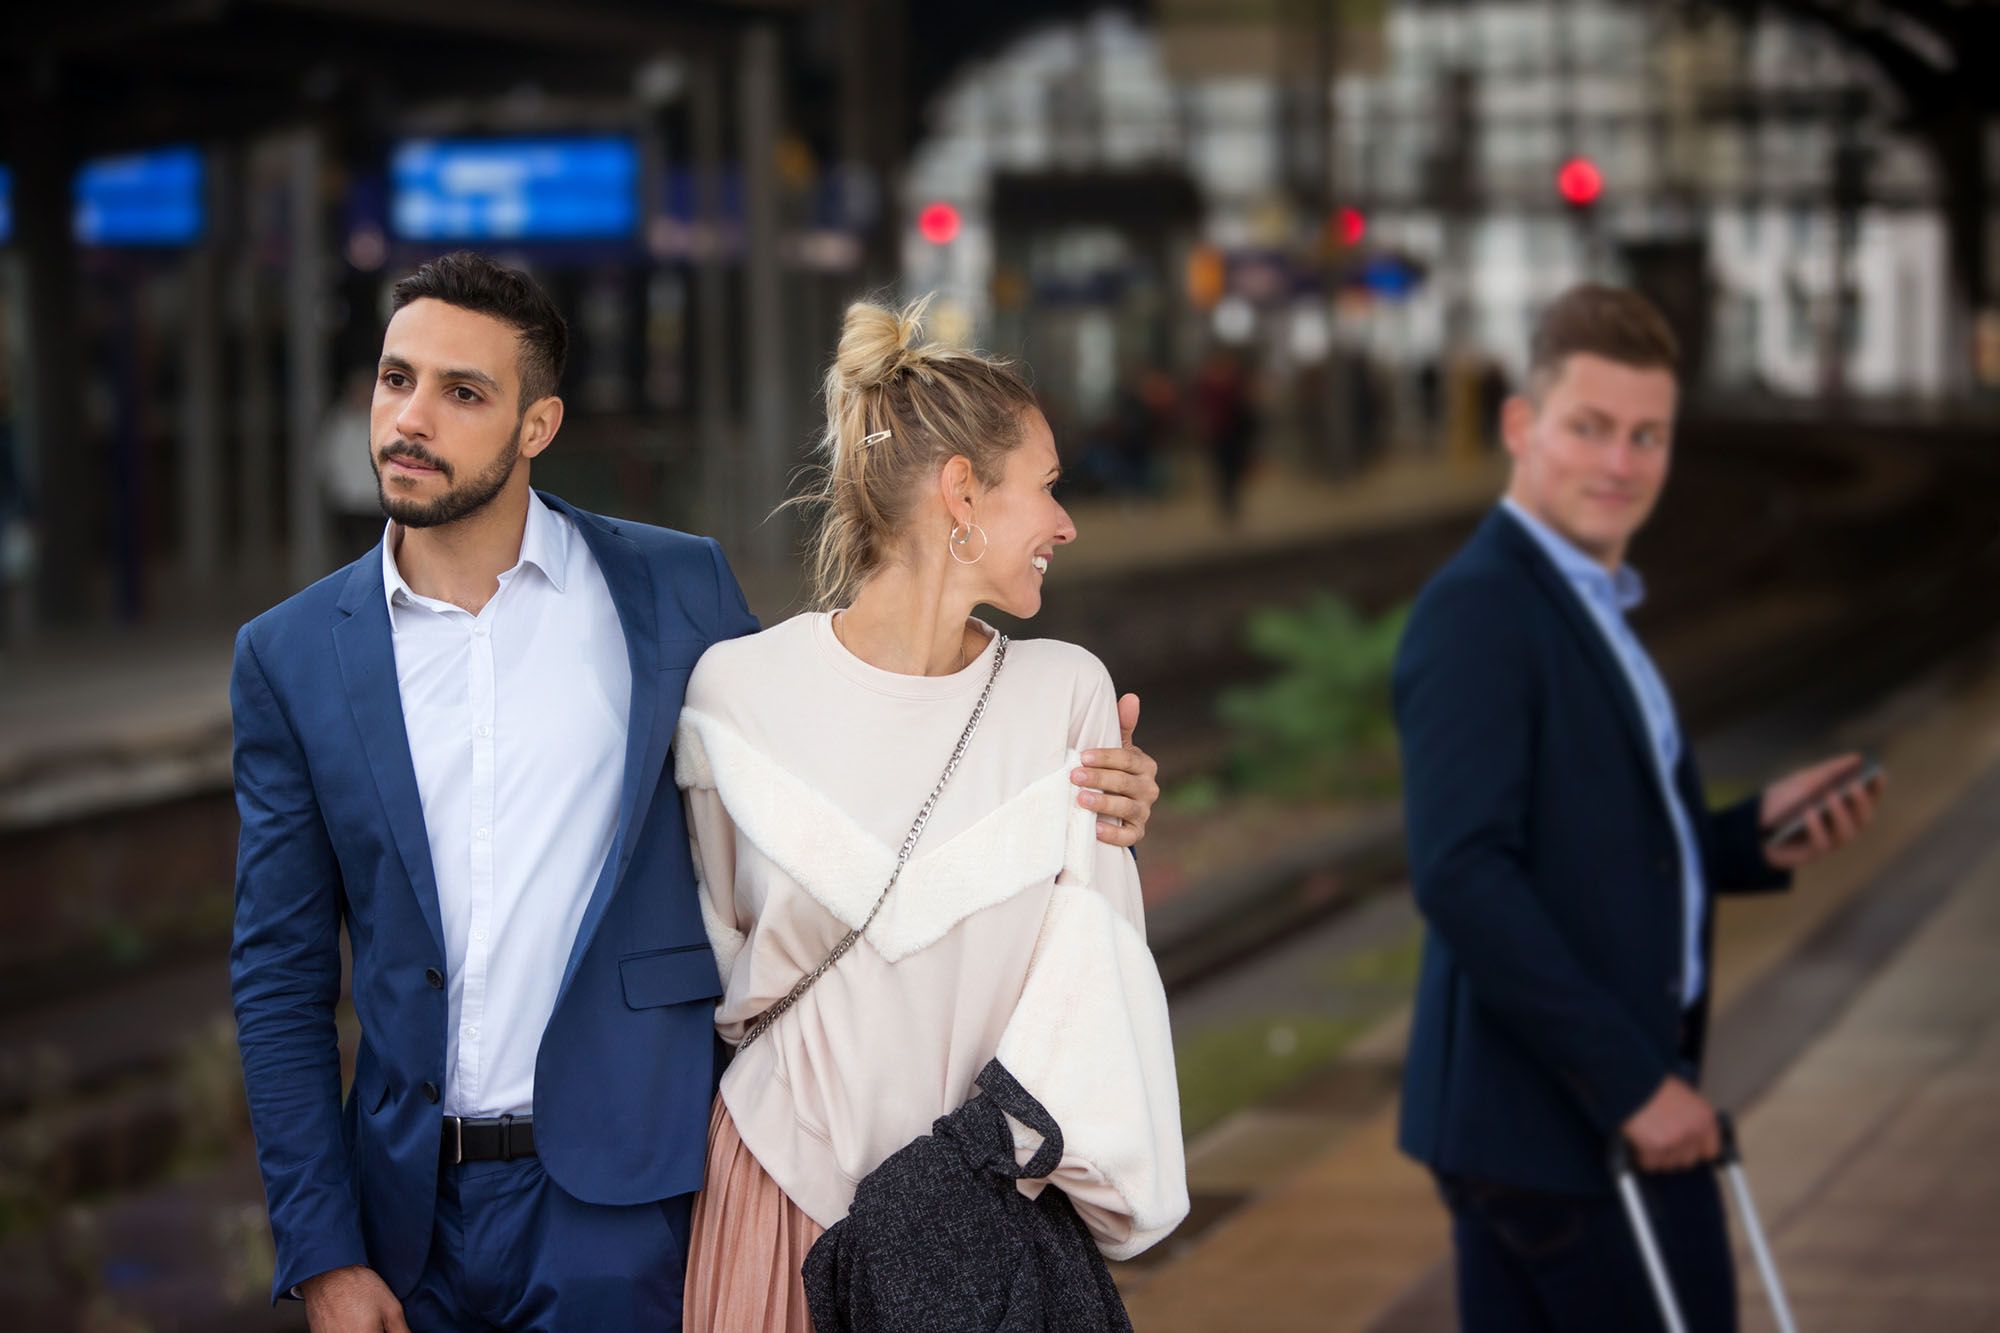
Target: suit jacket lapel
366, 651
1589, 637
631, 582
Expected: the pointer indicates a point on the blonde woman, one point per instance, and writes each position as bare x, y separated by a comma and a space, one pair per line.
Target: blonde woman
1014, 932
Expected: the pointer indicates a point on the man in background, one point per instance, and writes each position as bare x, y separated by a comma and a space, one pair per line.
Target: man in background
1566, 862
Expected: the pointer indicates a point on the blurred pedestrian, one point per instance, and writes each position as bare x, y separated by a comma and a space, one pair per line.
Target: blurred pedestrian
1133, 435
1228, 420
1430, 404
454, 748
1566, 862
1124, 448
804, 752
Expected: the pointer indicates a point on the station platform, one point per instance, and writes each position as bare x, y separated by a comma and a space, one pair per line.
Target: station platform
1858, 1042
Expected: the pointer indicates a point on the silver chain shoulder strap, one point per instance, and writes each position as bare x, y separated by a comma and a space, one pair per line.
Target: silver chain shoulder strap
805, 983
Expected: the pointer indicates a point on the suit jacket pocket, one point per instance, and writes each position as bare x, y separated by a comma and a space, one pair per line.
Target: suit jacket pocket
669, 976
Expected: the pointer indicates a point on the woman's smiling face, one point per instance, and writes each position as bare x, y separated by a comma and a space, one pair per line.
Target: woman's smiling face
1024, 524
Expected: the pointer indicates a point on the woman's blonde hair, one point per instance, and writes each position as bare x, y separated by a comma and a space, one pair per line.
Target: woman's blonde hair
897, 410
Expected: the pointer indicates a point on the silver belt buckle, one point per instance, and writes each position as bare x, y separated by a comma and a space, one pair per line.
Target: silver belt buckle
457, 1139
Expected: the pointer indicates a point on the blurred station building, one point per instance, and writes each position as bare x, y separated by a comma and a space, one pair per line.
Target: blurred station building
1326, 224
203, 208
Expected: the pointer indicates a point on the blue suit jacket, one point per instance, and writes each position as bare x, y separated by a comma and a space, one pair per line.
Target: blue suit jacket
1547, 871
333, 836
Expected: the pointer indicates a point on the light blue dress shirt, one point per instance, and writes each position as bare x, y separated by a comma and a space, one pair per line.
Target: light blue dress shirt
1608, 597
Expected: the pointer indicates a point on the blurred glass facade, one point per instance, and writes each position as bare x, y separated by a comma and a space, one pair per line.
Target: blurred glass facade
1357, 200
1753, 176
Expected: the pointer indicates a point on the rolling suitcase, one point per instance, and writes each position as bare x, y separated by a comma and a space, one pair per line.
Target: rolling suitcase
1731, 1164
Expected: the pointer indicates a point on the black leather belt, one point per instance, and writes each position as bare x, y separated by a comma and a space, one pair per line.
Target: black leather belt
501, 1140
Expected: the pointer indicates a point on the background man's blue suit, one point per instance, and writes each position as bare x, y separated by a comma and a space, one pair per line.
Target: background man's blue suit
333, 835
1549, 1007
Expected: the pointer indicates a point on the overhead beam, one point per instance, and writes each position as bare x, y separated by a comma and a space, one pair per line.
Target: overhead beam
57, 30
575, 23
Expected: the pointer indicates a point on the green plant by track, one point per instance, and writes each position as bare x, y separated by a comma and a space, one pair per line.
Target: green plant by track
1321, 726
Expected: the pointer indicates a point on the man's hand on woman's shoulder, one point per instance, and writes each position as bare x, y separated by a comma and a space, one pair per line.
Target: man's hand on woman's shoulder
1120, 785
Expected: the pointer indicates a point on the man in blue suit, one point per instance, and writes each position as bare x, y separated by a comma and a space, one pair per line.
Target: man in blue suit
455, 749
1565, 861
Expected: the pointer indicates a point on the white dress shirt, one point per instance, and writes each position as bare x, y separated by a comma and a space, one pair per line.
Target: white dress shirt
1608, 597
517, 720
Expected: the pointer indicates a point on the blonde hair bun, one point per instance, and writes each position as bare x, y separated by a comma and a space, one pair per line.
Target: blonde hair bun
897, 409
877, 342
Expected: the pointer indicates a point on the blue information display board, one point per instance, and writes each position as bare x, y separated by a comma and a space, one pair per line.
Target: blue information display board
151, 198
6, 206
578, 188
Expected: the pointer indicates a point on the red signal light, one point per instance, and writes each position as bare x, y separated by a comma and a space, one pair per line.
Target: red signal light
1580, 182
938, 223
1350, 225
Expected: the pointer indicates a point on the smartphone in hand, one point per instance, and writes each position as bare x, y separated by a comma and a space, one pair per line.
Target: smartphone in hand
1790, 826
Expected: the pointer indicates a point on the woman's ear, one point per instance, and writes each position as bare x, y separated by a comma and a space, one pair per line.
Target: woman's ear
957, 488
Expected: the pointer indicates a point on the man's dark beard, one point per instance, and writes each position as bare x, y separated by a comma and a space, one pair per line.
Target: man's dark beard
458, 501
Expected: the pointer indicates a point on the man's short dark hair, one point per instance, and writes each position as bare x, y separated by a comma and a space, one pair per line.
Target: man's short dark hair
1611, 322
471, 281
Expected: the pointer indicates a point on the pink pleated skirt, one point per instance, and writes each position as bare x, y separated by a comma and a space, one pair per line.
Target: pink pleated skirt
746, 1245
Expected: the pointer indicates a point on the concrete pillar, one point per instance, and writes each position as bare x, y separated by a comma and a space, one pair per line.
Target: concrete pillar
64, 470
874, 126
715, 412
766, 336
201, 478
305, 362
254, 394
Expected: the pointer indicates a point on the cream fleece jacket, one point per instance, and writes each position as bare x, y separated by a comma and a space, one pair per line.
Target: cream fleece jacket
1013, 931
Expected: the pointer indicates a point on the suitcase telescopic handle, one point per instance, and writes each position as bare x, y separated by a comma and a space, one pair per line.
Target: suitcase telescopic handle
1730, 1154
1730, 1162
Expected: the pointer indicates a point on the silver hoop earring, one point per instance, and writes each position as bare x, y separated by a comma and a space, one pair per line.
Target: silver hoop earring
958, 543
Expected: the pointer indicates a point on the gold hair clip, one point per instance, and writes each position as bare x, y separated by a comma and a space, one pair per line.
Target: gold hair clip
876, 437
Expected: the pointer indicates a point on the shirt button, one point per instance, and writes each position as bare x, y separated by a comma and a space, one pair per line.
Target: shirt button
482, 834
431, 1094
479, 631
479, 935
485, 730
434, 977
472, 1034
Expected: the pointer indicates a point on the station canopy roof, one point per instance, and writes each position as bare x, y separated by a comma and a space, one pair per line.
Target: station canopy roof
129, 73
